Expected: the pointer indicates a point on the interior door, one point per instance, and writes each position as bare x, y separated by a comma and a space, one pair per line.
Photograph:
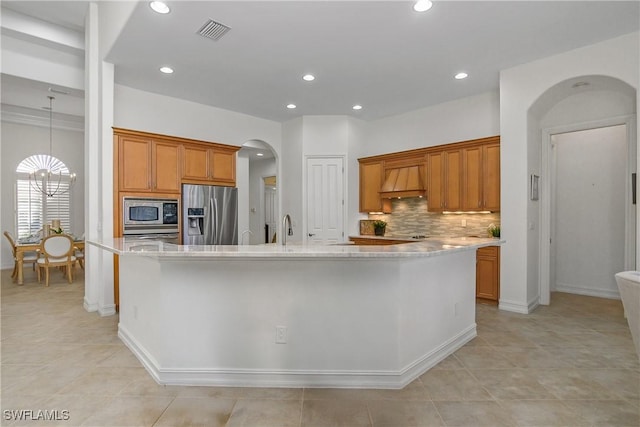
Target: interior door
589, 216
269, 212
325, 200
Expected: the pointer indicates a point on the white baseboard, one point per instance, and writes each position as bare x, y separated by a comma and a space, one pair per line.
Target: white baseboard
107, 310
294, 378
601, 293
90, 307
513, 306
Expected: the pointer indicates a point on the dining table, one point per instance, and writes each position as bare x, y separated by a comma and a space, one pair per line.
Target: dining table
32, 244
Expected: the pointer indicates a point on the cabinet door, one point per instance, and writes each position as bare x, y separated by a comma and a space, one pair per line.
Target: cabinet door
195, 162
488, 273
491, 177
223, 166
134, 164
472, 178
435, 187
453, 180
371, 180
165, 161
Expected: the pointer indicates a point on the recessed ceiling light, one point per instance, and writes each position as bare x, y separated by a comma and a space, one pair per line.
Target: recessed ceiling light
159, 7
308, 77
166, 70
422, 5
291, 106
357, 107
461, 76
259, 154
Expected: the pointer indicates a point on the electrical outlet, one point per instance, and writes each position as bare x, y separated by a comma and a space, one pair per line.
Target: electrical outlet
281, 334
464, 222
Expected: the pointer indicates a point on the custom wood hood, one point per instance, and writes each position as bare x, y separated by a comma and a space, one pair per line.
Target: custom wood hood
403, 182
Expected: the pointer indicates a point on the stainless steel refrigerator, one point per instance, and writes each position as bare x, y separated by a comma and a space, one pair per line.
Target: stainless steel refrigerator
209, 215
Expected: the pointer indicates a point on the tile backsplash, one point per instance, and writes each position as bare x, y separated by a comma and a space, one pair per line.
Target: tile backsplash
410, 217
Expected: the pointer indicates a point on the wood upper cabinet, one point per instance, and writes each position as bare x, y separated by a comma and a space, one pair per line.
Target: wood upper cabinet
444, 180
481, 165
464, 176
195, 162
153, 163
210, 165
371, 180
488, 274
435, 181
147, 165
472, 178
134, 158
165, 167
491, 176
453, 180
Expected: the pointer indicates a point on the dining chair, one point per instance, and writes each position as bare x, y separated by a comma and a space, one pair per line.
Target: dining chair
30, 257
79, 253
56, 251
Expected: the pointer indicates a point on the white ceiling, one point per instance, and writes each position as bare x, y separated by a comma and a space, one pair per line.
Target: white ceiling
380, 54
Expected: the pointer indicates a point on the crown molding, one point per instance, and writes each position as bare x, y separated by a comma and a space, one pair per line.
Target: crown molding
33, 117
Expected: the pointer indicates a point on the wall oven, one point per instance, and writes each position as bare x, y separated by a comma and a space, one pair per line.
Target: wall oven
150, 217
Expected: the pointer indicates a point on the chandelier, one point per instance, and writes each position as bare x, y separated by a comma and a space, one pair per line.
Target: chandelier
49, 179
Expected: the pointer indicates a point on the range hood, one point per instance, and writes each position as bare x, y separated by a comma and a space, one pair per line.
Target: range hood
403, 182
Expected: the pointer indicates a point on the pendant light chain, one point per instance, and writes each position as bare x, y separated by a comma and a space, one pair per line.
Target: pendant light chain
48, 181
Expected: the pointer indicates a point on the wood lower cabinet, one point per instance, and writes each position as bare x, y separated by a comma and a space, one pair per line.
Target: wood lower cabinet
371, 180
488, 274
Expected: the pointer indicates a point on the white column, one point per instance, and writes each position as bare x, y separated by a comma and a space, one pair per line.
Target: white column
98, 168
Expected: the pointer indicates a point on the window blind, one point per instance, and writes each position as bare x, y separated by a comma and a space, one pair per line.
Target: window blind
34, 208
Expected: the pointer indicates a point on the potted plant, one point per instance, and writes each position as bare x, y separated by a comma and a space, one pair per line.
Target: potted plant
379, 227
494, 230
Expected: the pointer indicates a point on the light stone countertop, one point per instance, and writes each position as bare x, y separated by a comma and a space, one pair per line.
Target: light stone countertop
419, 248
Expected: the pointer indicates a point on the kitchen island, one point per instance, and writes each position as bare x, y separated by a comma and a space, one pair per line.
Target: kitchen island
295, 315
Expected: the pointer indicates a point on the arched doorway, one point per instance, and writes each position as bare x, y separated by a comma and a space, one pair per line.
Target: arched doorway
257, 197
573, 116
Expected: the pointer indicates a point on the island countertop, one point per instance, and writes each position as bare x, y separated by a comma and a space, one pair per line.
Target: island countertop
422, 248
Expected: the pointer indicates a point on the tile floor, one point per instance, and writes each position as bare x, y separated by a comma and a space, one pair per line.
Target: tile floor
568, 364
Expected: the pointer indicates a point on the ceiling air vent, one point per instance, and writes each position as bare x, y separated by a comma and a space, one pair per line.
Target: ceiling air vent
213, 30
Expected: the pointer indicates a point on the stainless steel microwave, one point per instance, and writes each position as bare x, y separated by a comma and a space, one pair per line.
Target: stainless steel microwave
150, 215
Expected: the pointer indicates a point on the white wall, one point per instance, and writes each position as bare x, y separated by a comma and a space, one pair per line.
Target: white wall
20, 141
459, 120
322, 136
290, 176
244, 189
520, 87
150, 112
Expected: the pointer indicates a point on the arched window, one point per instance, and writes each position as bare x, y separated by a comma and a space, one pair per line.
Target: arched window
33, 208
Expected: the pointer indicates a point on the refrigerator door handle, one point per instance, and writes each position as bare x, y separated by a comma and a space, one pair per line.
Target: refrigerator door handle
214, 219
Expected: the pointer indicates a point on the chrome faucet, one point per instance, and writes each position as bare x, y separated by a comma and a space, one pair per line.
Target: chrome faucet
286, 225
242, 238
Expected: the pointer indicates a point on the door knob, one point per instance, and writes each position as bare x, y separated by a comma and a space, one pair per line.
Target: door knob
311, 234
